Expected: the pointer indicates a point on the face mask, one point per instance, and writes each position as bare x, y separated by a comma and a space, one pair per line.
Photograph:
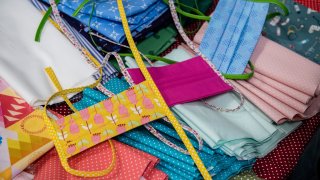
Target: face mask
185, 81
232, 34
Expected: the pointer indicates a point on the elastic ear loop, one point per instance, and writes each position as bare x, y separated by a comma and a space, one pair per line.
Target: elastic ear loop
148, 126
192, 46
52, 131
204, 172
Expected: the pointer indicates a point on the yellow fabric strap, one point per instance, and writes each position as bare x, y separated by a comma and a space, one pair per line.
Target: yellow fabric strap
61, 151
56, 83
166, 109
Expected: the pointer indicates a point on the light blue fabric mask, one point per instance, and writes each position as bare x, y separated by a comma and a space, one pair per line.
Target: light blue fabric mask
232, 34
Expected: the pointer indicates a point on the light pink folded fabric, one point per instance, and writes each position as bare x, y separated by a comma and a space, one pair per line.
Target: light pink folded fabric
285, 85
287, 67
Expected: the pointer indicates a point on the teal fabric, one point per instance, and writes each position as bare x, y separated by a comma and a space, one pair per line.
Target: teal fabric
299, 31
220, 165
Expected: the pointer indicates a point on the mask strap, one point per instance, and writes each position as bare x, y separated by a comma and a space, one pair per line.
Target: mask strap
192, 46
204, 172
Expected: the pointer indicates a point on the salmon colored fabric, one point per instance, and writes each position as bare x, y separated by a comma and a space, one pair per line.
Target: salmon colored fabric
130, 163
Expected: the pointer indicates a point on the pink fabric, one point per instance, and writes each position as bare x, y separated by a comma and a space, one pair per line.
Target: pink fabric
130, 163
285, 66
185, 81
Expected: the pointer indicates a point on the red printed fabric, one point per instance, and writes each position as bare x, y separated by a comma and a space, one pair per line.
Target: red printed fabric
130, 163
280, 162
313, 4
63, 108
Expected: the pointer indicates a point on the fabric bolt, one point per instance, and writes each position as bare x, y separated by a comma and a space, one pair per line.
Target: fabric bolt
104, 18
299, 31
29, 79
279, 163
130, 163
237, 26
183, 82
313, 4
308, 166
108, 70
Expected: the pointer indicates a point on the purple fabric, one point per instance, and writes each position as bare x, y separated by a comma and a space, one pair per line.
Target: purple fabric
185, 81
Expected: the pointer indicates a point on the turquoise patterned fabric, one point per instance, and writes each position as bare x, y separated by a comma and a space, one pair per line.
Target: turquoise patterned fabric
236, 26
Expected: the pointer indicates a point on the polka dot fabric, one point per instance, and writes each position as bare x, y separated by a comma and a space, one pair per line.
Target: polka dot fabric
130, 164
279, 163
62, 108
313, 4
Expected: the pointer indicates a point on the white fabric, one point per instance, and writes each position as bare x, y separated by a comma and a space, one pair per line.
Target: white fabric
22, 60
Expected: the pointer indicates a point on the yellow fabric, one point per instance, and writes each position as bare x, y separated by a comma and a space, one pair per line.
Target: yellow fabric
204, 172
59, 146
27, 140
109, 118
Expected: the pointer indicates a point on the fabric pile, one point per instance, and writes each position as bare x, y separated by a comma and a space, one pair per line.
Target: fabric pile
159, 89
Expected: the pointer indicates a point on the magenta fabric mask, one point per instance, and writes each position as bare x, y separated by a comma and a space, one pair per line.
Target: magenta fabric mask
185, 81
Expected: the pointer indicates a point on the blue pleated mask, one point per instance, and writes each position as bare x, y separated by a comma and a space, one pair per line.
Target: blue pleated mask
232, 34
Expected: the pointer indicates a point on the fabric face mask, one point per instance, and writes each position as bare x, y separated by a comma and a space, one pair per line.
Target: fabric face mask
236, 26
184, 82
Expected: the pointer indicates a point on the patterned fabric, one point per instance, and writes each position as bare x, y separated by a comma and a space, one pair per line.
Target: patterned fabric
107, 21
236, 26
130, 163
104, 120
219, 164
108, 70
299, 31
246, 175
313, 4
279, 163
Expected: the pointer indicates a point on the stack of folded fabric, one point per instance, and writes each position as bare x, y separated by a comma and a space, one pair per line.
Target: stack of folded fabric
285, 85
235, 137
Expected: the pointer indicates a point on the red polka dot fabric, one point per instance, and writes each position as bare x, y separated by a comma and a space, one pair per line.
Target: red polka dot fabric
313, 4
62, 108
280, 162
130, 163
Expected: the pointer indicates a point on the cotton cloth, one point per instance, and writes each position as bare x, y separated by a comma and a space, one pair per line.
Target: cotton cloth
23, 60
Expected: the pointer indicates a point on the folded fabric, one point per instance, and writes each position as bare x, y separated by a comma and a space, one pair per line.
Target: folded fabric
279, 163
130, 163
244, 143
308, 166
299, 31
184, 82
279, 87
106, 20
232, 34
22, 143
108, 70
29, 79
23, 135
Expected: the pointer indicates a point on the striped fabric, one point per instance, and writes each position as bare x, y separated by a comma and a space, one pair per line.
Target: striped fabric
108, 70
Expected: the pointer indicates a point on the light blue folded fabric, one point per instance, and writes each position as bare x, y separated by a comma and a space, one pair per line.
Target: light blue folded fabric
106, 19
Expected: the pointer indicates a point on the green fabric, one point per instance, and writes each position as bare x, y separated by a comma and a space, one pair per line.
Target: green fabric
158, 42
246, 175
